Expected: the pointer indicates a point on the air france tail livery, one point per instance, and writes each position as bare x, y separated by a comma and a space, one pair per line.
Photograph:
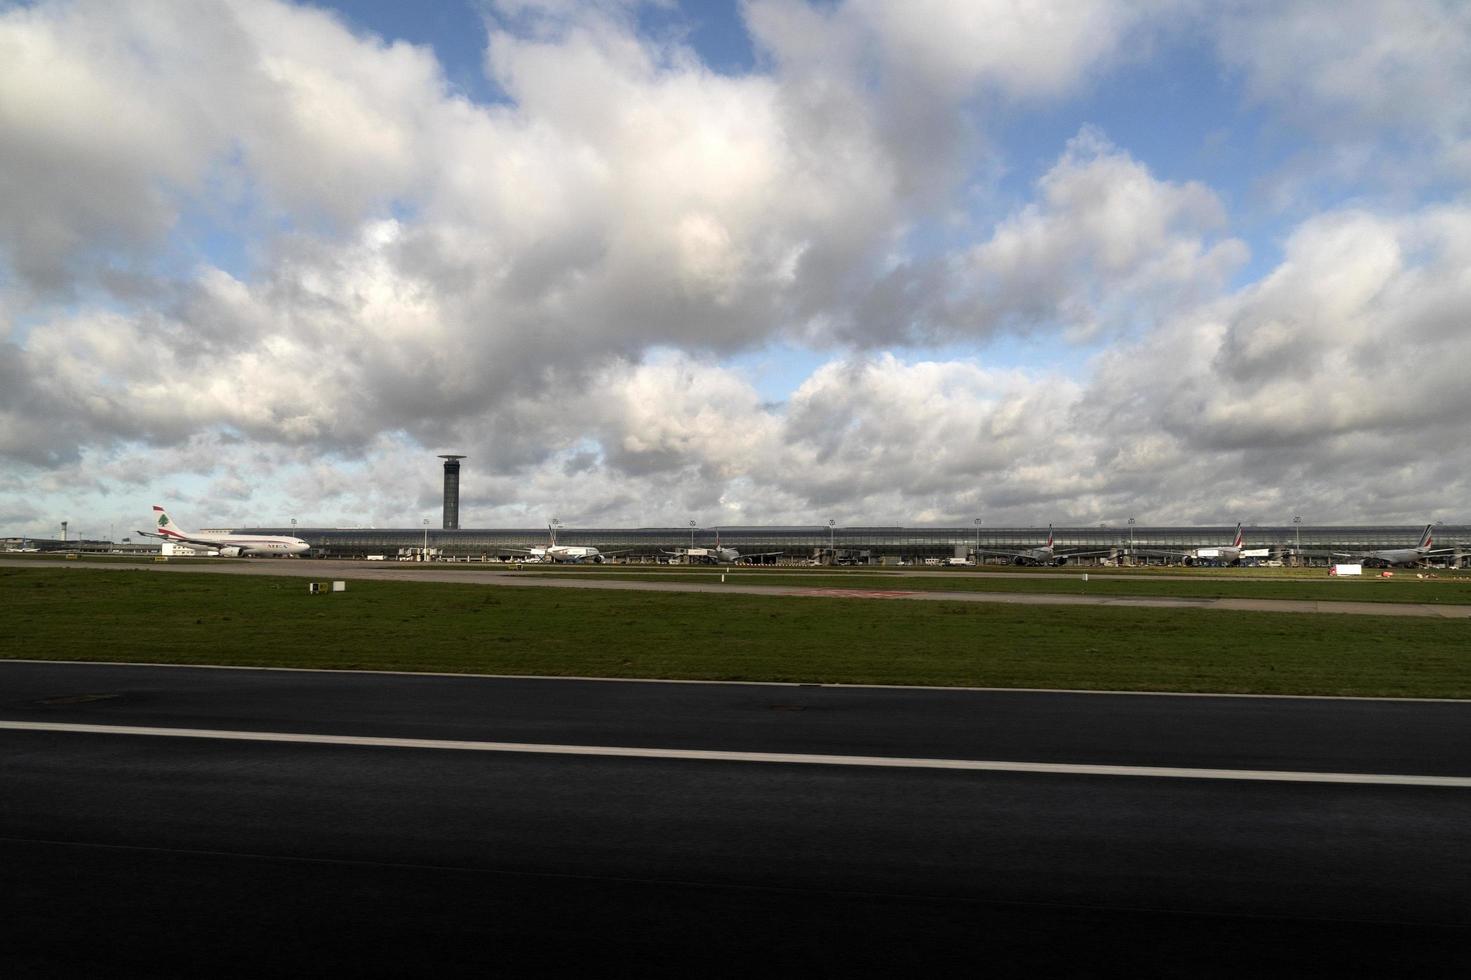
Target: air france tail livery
229, 545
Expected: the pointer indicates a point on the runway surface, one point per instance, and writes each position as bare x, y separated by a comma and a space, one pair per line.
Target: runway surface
131, 853
386, 571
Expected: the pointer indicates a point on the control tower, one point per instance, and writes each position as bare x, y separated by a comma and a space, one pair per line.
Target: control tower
451, 491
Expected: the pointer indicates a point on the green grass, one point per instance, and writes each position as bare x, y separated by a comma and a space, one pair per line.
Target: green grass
1404, 587
83, 558
972, 571
70, 614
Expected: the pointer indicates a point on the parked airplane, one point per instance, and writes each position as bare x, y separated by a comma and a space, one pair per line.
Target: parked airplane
718, 555
229, 545
1226, 554
1045, 555
574, 554
1401, 556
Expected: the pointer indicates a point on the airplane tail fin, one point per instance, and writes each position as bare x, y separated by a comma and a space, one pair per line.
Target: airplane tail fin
1049, 536
552, 533
1240, 538
166, 526
1427, 538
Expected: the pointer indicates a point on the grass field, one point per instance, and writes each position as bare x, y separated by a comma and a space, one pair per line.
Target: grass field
57, 557
1402, 588
182, 618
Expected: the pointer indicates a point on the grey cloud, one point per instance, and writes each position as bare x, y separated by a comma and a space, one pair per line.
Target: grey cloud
1379, 83
1106, 245
116, 117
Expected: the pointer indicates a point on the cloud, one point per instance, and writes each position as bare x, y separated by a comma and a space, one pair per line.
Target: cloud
952, 49
1025, 50
1105, 244
1361, 62
623, 199
1336, 375
1379, 84
116, 117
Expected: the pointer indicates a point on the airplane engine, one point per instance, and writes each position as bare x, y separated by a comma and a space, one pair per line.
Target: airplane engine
1189, 561
1018, 561
1060, 560
232, 552
597, 559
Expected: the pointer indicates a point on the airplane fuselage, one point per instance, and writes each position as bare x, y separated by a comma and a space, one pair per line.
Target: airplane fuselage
245, 545
1396, 556
572, 554
1039, 556
1224, 555
227, 544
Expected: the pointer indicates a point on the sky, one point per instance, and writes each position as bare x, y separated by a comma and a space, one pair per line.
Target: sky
760, 262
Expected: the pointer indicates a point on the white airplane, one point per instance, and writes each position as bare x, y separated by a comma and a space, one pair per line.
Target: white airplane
718, 555
1401, 556
229, 545
1226, 554
573, 554
1045, 555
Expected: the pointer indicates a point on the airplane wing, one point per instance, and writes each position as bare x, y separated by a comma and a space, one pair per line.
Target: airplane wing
760, 554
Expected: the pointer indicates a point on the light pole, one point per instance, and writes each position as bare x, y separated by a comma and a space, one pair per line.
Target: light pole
63, 530
424, 551
978, 540
692, 535
1297, 533
1131, 536
832, 541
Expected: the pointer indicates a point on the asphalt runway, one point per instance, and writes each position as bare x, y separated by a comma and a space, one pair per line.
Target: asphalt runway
324, 569
279, 850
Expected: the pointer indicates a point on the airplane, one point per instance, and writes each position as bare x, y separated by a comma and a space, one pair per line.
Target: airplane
572, 554
1401, 556
229, 545
1226, 554
718, 555
1045, 555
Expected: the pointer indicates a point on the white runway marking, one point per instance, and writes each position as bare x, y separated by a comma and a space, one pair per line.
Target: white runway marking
836, 685
789, 758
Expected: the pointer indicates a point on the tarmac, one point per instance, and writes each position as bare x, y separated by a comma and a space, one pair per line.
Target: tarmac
328, 569
177, 821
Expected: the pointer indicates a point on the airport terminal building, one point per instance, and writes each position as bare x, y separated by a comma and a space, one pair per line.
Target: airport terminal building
863, 545
1292, 543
